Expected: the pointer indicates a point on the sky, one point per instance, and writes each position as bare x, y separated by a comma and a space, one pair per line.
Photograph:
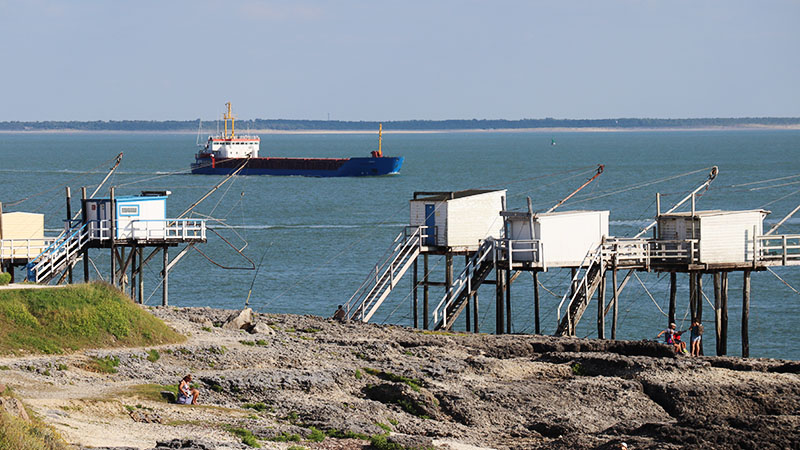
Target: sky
398, 60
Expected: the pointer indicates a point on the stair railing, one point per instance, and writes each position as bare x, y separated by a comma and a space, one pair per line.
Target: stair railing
407, 242
464, 279
593, 257
59, 254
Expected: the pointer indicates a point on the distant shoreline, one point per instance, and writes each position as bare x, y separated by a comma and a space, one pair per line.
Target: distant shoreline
438, 131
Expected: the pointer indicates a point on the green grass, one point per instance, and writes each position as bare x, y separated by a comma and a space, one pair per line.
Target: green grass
76, 317
246, 436
107, 364
151, 391
286, 437
260, 407
388, 376
153, 355
316, 435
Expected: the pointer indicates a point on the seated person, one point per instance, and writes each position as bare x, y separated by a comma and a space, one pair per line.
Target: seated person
680, 346
669, 334
186, 394
340, 314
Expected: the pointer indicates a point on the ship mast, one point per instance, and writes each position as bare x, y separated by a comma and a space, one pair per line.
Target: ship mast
380, 139
228, 116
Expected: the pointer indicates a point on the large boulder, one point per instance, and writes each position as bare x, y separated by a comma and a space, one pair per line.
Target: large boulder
261, 328
241, 321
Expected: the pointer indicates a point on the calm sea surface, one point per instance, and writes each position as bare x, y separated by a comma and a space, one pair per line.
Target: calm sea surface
322, 236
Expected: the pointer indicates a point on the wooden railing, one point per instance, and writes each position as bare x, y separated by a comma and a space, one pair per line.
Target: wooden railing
783, 249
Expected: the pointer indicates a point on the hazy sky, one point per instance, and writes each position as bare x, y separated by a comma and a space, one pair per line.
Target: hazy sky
394, 60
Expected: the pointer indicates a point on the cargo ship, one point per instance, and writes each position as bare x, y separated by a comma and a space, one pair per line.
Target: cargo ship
226, 153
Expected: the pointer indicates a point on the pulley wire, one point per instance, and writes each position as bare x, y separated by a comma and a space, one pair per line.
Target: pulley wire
639, 186
325, 263
79, 175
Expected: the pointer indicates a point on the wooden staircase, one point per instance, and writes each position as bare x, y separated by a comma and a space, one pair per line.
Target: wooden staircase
464, 286
590, 274
363, 304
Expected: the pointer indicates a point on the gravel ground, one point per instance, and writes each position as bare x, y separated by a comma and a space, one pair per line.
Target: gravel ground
426, 390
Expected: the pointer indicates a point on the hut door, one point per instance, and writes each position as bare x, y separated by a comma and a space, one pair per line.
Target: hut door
430, 223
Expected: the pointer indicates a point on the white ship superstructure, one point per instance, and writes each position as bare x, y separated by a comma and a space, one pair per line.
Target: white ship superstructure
229, 145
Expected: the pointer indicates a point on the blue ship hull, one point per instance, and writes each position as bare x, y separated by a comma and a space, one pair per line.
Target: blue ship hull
307, 167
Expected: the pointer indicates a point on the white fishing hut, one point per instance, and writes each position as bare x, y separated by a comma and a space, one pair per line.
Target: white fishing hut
722, 236
458, 220
135, 217
21, 235
556, 239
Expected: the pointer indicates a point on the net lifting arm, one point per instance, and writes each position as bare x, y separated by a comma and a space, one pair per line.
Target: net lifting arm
600, 168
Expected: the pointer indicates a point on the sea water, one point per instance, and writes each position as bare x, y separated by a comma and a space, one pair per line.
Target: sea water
320, 237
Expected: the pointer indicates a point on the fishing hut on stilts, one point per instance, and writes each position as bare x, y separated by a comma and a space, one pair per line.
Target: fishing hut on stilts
133, 228
507, 243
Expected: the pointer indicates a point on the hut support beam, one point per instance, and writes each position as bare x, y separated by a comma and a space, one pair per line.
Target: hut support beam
615, 304
165, 274
415, 303
601, 302
536, 301
425, 291
673, 291
745, 314
85, 249
499, 291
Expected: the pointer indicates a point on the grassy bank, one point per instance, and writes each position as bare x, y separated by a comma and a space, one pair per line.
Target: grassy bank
32, 434
75, 317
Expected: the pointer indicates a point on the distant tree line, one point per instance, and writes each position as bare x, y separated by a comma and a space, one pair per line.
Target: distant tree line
336, 125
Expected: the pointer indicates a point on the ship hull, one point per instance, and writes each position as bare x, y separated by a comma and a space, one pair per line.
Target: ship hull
306, 167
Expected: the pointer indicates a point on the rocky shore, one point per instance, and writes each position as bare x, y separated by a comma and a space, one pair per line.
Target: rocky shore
304, 381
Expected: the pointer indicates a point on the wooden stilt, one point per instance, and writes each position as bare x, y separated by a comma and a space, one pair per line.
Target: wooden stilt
718, 312
112, 236
475, 311
700, 305
499, 292
692, 296
536, 301
615, 313
469, 297
425, 291
86, 249
572, 282
69, 225
414, 305
724, 321
601, 302
165, 287
141, 276
745, 314
508, 282
121, 270
673, 291
133, 273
